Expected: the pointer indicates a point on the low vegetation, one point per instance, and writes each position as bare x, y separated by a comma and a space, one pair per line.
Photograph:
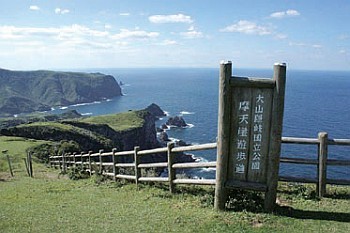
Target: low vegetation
50, 202
119, 122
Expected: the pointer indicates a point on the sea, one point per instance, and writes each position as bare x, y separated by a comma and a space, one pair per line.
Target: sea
315, 101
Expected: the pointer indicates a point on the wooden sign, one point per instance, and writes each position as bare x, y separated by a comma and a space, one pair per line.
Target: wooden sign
249, 133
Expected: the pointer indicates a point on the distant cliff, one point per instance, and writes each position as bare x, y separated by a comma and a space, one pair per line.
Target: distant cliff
29, 91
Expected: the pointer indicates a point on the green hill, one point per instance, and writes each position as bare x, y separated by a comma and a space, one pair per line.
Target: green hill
122, 131
29, 91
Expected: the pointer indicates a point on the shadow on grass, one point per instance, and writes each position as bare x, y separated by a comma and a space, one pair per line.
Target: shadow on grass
288, 211
339, 195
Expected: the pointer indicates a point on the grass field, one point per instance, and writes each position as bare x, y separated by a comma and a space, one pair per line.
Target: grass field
53, 203
119, 122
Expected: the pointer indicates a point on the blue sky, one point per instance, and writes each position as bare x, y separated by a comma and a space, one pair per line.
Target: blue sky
56, 34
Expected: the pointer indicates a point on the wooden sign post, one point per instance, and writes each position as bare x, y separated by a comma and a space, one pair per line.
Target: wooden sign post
249, 133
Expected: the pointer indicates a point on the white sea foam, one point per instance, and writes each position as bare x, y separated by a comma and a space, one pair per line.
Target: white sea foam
87, 114
53, 109
209, 169
166, 113
62, 108
82, 104
197, 159
175, 140
189, 126
186, 113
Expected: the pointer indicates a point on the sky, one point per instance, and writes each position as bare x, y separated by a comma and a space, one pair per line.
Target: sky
78, 34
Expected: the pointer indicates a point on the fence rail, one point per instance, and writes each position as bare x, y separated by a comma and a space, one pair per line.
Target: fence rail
113, 167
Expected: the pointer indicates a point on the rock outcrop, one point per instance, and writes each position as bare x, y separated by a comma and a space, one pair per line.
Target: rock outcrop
176, 121
155, 110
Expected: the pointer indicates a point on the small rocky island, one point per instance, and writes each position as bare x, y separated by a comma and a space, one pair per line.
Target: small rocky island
29, 91
176, 121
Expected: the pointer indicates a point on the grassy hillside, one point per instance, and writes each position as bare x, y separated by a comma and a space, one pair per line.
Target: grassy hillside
119, 122
53, 203
123, 130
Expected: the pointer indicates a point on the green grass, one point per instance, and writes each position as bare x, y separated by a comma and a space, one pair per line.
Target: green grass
52, 203
16, 148
49, 125
119, 122
48, 204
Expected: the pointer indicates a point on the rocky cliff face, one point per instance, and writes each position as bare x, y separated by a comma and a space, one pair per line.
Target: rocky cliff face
143, 136
29, 91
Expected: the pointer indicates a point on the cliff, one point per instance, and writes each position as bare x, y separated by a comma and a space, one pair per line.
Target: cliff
123, 131
29, 91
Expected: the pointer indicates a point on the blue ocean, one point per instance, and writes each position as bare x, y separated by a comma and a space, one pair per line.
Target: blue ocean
315, 101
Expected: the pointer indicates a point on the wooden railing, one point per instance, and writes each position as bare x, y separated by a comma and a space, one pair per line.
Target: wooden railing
321, 161
90, 160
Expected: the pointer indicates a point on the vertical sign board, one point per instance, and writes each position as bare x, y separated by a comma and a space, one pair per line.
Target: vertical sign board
249, 133
250, 129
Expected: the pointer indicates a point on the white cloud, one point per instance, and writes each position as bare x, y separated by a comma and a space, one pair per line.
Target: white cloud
283, 14
134, 34
179, 18
168, 42
191, 33
247, 27
344, 52
316, 46
300, 44
34, 8
73, 35
108, 26
61, 11
124, 14
296, 44
281, 36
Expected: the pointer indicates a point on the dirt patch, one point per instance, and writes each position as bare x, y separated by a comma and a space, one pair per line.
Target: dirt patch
5, 177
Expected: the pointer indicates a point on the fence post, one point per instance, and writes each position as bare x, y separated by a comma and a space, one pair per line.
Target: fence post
100, 158
81, 160
223, 135
30, 165
322, 163
9, 162
63, 162
74, 160
69, 160
114, 162
137, 161
90, 167
279, 76
171, 170
26, 165
60, 164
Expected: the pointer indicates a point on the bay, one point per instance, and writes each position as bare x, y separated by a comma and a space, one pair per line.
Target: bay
315, 101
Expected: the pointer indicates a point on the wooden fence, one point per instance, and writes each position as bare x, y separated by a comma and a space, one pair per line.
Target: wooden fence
94, 162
